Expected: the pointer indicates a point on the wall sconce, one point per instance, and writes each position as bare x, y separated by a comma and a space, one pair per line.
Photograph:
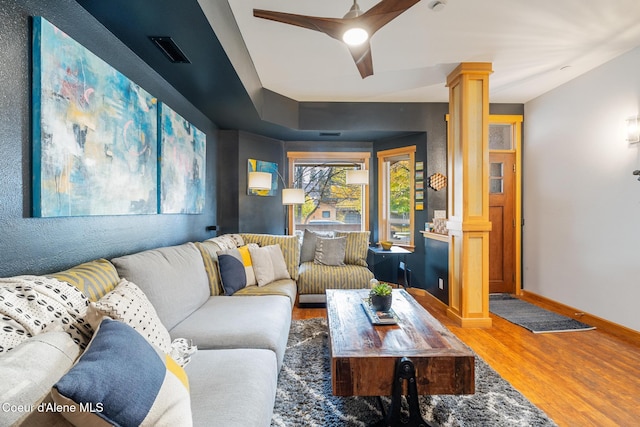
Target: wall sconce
633, 132
259, 181
358, 177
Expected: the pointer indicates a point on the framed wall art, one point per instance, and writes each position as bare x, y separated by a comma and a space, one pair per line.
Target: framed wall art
94, 133
254, 165
182, 164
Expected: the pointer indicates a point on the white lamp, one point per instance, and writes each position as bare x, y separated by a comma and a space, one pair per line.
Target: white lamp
259, 181
358, 177
292, 196
633, 132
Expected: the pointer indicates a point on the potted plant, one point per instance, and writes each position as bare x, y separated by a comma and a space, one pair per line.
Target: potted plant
380, 297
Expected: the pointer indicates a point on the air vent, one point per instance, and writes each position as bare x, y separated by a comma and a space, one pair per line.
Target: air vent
170, 50
330, 133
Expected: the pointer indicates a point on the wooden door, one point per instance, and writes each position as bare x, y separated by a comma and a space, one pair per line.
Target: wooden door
502, 250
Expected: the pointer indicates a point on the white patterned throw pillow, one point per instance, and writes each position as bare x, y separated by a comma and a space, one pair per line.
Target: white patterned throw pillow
128, 304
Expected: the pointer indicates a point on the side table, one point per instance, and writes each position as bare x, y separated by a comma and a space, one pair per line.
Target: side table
384, 264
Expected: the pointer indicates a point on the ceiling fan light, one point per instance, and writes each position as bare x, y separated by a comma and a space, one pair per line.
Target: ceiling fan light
355, 36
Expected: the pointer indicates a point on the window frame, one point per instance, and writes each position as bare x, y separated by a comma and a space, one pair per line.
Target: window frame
362, 158
383, 191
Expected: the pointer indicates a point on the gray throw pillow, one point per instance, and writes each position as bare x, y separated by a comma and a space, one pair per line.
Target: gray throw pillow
308, 249
330, 251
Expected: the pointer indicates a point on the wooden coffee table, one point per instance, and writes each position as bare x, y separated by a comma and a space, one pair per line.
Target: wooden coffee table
366, 359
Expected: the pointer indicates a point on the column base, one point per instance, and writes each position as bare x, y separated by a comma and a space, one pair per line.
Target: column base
469, 322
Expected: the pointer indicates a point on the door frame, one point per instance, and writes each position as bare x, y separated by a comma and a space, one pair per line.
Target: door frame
516, 122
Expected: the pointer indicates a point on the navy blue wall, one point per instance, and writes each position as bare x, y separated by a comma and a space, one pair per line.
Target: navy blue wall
41, 245
239, 212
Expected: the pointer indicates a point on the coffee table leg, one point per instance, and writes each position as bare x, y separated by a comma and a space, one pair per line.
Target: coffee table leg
405, 371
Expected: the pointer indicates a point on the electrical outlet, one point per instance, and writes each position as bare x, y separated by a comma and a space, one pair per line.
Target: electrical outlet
440, 283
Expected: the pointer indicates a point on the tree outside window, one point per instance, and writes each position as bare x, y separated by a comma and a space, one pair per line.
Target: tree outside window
330, 204
395, 195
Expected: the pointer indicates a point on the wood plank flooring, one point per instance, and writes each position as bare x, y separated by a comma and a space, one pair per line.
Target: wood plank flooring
589, 378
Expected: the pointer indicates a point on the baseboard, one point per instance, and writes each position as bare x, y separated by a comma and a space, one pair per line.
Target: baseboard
612, 328
431, 300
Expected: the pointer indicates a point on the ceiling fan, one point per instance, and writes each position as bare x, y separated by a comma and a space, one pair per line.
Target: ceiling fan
355, 28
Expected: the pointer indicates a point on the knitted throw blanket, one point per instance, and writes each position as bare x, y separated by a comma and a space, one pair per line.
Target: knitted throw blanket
30, 305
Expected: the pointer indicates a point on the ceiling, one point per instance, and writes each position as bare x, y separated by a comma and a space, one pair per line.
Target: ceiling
528, 42
534, 46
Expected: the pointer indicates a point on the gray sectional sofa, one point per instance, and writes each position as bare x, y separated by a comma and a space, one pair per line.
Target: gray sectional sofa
241, 339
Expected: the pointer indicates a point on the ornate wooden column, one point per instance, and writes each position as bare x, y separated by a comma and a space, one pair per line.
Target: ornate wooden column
468, 194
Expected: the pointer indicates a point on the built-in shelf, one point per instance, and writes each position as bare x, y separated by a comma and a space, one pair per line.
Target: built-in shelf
435, 236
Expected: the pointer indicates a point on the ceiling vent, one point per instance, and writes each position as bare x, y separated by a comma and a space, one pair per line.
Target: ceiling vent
330, 133
170, 50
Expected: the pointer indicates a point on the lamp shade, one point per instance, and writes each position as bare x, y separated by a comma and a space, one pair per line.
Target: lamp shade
259, 181
292, 196
358, 177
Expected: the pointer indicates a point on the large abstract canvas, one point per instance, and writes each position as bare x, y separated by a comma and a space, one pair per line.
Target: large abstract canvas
94, 133
182, 165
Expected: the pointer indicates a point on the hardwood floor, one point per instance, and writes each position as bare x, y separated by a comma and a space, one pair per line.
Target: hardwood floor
586, 378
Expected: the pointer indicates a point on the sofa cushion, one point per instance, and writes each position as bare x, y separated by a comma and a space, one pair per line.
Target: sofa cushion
173, 278
232, 271
128, 304
330, 251
268, 264
93, 278
290, 246
209, 251
28, 372
239, 322
357, 247
316, 278
233, 387
127, 380
285, 287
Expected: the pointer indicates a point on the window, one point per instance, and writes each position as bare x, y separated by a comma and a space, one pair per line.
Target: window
396, 195
330, 203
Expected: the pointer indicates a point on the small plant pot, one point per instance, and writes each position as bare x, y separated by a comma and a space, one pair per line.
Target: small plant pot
380, 303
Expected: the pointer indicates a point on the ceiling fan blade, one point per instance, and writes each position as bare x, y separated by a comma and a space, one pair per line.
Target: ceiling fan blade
383, 13
333, 27
362, 56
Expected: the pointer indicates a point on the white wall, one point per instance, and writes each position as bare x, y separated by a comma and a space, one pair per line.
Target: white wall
581, 201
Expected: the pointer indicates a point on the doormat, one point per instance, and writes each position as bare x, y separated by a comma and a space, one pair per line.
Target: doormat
531, 317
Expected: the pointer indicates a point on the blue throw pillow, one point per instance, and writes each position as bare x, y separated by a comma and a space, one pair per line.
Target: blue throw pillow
232, 273
124, 380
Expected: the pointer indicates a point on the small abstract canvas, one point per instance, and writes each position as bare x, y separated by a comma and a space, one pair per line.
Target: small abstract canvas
94, 133
263, 166
182, 165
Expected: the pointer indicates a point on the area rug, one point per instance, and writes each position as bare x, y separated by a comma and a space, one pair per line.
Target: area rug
530, 316
304, 398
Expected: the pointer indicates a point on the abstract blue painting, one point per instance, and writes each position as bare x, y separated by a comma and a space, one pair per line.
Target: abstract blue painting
95, 133
182, 164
